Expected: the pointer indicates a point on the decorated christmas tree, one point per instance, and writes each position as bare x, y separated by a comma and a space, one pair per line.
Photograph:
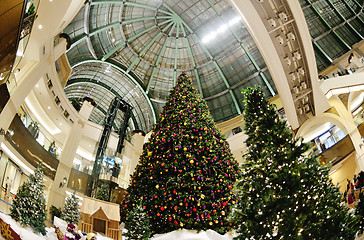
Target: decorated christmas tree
103, 192
71, 210
29, 204
282, 193
137, 224
186, 171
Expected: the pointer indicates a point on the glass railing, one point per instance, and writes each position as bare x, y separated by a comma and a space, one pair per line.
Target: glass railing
29, 17
25, 144
34, 129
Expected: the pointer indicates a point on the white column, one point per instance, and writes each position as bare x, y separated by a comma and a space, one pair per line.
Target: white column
57, 194
27, 78
353, 131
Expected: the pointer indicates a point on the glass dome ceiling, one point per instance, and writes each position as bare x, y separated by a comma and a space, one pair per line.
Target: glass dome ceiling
137, 49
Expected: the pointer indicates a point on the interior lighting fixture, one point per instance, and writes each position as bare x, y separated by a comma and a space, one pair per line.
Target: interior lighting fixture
272, 22
49, 107
40, 120
291, 36
36, 85
338, 91
357, 111
280, 39
283, 16
40, 26
357, 102
220, 30
15, 158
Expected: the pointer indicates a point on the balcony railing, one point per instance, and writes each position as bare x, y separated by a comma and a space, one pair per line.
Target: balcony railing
23, 141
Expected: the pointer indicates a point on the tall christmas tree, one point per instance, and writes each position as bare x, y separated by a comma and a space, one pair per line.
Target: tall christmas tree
103, 192
71, 210
137, 224
29, 204
282, 193
186, 171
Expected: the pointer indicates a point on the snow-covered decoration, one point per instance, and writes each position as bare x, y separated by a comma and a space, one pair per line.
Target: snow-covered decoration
71, 210
193, 235
29, 204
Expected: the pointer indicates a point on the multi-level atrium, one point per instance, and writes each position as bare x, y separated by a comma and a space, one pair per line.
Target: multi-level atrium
306, 55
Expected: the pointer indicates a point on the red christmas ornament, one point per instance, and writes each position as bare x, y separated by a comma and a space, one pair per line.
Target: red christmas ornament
170, 218
194, 209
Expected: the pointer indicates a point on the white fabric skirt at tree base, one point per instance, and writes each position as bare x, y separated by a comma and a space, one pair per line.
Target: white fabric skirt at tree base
26, 233
185, 234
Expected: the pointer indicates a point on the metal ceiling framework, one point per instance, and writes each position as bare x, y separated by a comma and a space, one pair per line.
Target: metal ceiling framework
151, 42
335, 25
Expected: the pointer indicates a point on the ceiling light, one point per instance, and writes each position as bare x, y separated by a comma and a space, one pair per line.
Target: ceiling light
357, 111
60, 124
222, 29
234, 21
36, 85
49, 107
15, 158
40, 26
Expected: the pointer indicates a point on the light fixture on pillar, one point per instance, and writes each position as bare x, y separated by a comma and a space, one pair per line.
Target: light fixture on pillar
63, 183
272, 22
300, 110
292, 75
295, 89
280, 39
301, 71
297, 55
307, 108
291, 36
283, 16
288, 60
303, 85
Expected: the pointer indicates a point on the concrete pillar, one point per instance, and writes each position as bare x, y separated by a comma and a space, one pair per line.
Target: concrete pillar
57, 193
27, 78
60, 48
353, 131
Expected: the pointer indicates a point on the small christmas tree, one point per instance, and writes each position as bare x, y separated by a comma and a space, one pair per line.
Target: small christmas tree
29, 204
137, 224
282, 193
186, 171
103, 192
71, 210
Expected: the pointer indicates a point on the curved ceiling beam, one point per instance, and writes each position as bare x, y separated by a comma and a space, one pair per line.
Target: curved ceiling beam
176, 53
129, 76
193, 61
123, 44
344, 19
111, 25
209, 54
134, 4
256, 66
328, 25
159, 58
86, 30
352, 10
102, 85
147, 46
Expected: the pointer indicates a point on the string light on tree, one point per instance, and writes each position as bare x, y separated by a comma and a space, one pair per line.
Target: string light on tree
186, 172
283, 194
